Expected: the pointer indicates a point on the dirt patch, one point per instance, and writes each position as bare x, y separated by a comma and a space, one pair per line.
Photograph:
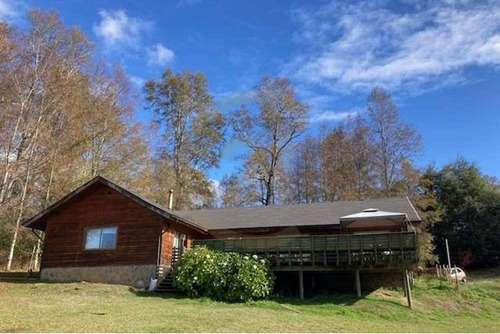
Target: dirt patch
3, 286
384, 294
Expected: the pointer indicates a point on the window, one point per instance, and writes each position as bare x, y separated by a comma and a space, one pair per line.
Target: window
100, 238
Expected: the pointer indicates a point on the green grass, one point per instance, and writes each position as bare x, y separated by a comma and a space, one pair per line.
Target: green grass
85, 307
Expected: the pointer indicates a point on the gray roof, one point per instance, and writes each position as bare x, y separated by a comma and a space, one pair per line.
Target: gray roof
293, 215
249, 217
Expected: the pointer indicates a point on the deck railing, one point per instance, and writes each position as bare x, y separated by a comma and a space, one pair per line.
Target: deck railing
176, 254
163, 270
325, 250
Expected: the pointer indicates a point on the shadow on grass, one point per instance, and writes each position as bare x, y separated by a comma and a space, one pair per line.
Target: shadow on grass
341, 299
148, 294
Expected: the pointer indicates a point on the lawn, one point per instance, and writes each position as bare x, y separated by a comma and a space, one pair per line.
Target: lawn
85, 307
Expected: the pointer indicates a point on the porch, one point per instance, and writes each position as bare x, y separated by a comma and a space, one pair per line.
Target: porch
326, 252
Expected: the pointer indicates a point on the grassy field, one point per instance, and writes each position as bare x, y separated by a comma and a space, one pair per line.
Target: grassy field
85, 307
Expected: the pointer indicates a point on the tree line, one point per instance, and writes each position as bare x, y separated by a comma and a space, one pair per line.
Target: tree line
67, 115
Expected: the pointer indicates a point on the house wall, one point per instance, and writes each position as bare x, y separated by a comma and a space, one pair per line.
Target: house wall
100, 206
135, 257
169, 229
297, 230
275, 232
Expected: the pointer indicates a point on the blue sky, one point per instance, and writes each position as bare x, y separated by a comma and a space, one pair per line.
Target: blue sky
440, 58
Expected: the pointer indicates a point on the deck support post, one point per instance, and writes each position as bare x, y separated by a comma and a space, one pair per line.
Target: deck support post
301, 284
408, 289
404, 283
358, 283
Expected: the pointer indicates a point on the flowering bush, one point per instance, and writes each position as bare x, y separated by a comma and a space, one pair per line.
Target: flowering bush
223, 276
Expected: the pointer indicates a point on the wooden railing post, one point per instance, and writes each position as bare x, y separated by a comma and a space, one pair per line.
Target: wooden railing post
401, 244
337, 250
313, 255
325, 261
361, 248
349, 249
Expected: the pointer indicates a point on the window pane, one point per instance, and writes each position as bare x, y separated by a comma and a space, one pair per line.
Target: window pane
108, 238
176, 239
92, 239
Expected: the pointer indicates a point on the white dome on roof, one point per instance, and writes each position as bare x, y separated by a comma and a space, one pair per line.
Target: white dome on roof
371, 210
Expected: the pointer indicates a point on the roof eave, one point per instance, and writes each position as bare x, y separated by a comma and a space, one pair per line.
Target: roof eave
414, 210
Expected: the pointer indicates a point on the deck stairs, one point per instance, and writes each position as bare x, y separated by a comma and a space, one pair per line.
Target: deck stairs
165, 276
165, 284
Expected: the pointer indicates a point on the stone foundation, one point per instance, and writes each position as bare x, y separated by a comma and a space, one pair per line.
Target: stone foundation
137, 276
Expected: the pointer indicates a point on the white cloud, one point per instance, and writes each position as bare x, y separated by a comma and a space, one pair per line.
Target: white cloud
182, 3
117, 29
229, 101
353, 46
160, 55
10, 10
137, 81
332, 116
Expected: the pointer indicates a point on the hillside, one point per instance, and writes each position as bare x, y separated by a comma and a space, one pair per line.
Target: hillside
85, 307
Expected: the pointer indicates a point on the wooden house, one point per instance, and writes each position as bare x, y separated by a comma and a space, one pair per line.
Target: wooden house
102, 232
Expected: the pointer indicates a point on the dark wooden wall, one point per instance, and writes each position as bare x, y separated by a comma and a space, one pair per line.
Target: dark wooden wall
169, 229
295, 230
137, 238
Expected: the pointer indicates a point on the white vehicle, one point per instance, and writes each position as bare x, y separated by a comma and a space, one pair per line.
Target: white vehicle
458, 273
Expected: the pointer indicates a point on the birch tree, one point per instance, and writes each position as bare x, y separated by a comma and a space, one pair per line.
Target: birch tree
192, 131
394, 140
267, 132
51, 96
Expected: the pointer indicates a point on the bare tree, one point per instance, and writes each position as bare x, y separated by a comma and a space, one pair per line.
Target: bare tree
304, 172
394, 140
281, 118
47, 138
193, 130
237, 191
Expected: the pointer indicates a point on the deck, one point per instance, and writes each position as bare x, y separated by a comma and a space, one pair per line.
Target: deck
326, 252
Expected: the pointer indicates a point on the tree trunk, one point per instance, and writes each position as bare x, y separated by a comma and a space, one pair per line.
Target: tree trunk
18, 220
3, 189
31, 147
46, 204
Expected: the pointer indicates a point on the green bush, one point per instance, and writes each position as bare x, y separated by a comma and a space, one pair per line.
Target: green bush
232, 277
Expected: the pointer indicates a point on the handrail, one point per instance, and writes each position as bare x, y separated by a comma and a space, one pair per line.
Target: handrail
336, 249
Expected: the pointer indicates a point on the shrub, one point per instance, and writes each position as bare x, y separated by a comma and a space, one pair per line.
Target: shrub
232, 277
